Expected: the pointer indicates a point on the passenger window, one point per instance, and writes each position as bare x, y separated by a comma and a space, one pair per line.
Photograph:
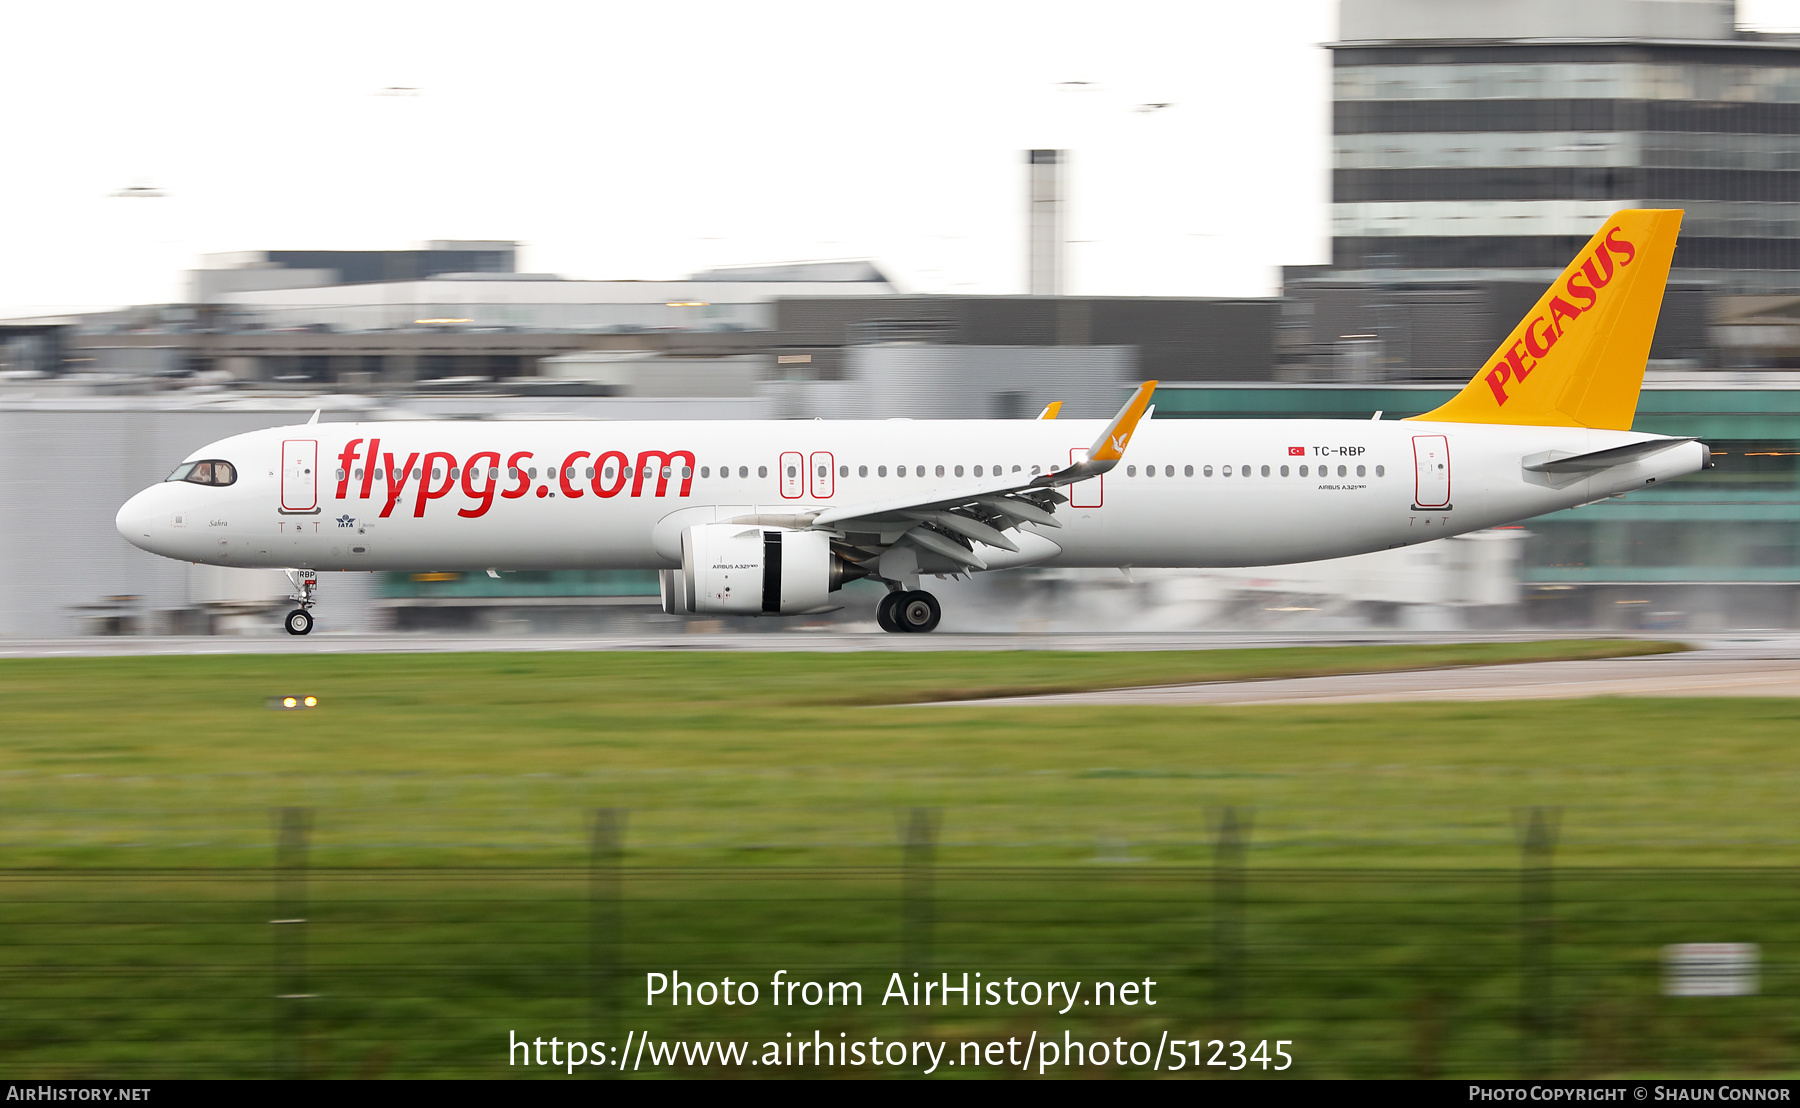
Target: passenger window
919, 471
1226, 470
686, 473
607, 473
822, 472
1036, 470
512, 473
843, 471
1342, 472
1361, 471
1284, 471
359, 473
1168, 471
899, 471
743, 471
1207, 471
862, 471
762, 471
1265, 471
881, 471
1381, 471
978, 471
792, 472
1245, 470
1303, 471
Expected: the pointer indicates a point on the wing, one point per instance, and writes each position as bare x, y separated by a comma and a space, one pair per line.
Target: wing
946, 525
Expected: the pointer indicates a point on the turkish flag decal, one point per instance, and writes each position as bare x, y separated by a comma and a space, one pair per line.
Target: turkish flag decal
1296, 451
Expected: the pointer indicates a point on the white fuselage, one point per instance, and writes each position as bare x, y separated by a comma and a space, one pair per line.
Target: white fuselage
418, 495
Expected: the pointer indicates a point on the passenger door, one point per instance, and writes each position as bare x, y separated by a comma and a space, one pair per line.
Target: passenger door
1431, 462
300, 475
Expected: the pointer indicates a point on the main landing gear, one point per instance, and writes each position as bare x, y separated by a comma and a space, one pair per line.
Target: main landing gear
908, 611
306, 583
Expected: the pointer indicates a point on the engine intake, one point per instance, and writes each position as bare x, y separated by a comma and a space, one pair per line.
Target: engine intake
731, 569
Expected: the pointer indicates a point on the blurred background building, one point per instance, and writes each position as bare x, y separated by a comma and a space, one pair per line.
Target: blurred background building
1476, 146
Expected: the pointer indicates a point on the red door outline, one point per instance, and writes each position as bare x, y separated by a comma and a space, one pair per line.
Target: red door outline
299, 475
793, 482
1431, 457
821, 486
1090, 493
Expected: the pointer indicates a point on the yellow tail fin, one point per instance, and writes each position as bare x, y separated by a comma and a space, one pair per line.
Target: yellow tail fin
1577, 360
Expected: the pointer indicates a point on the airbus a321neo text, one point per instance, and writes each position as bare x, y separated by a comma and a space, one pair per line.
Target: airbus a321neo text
766, 517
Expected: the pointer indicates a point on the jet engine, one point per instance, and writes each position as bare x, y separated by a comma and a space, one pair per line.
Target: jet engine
734, 569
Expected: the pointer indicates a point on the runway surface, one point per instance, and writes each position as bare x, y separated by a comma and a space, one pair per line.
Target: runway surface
1723, 670
790, 640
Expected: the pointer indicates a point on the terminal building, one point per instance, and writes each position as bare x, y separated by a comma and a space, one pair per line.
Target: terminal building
1475, 146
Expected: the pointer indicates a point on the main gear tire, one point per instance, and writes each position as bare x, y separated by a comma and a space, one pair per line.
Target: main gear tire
917, 612
884, 613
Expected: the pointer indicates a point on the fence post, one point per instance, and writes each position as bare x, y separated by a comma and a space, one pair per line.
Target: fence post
917, 904
292, 828
606, 852
1536, 940
1231, 829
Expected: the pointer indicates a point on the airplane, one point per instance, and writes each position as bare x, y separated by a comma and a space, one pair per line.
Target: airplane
772, 517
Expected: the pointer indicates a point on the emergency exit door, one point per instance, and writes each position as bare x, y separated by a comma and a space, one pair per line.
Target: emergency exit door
1431, 461
1090, 493
793, 481
300, 475
818, 471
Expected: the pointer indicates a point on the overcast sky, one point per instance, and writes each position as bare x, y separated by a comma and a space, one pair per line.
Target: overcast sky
651, 140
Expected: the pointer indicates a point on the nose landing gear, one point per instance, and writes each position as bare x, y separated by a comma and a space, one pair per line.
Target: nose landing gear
306, 583
908, 611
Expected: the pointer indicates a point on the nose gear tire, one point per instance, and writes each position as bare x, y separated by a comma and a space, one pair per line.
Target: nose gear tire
298, 622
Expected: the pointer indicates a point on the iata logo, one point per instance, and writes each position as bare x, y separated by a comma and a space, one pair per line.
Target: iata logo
479, 476
1542, 332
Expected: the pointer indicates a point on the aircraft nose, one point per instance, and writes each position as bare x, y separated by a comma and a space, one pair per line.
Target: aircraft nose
135, 520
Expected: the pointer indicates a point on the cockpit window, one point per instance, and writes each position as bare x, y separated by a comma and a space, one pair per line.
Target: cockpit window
209, 472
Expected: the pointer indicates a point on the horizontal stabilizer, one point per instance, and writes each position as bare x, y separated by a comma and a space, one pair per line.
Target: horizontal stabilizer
1557, 461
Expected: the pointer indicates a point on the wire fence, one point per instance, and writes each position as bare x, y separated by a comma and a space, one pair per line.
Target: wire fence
292, 969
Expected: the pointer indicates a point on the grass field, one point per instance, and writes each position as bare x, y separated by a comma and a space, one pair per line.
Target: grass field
1379, 923
449, 759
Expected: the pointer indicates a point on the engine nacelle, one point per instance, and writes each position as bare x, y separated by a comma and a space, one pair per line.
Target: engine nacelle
739, 570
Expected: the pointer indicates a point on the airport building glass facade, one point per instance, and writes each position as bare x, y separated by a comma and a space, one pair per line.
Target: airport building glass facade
1507, 155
